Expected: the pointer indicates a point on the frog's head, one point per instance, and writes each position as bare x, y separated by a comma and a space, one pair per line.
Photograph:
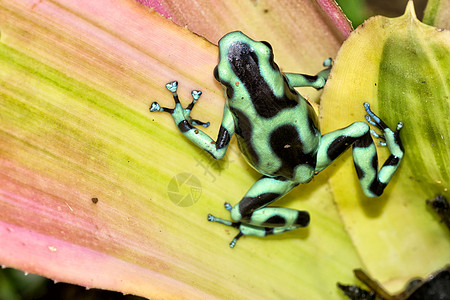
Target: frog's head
245, 63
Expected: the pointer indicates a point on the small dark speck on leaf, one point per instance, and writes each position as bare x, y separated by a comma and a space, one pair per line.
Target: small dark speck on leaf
94, 200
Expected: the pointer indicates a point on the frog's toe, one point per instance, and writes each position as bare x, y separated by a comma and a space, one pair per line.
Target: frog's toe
373, 119
234, 241
199, 123
374, 134
155, 107
370, 121
320, 82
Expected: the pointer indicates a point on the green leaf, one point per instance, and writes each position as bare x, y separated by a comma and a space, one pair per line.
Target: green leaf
402, 68
437, 13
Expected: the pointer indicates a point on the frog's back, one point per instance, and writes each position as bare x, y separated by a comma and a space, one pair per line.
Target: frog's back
282, 144
276, 128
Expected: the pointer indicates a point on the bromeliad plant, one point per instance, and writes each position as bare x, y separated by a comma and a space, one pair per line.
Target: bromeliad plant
98, 192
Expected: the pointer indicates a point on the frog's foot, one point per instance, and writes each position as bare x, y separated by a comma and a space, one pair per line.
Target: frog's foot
179, 113
389, 138
316, 81
236, 225
322, 76
301, 220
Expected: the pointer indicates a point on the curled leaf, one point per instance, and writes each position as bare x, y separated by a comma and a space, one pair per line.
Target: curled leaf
437, 13
401, 67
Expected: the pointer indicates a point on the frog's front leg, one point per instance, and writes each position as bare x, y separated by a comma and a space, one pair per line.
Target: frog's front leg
253, 217
182, 119
317, 81
365, 157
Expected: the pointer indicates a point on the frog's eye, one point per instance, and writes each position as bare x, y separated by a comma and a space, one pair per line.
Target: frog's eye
216, 73
267, 44
269, 54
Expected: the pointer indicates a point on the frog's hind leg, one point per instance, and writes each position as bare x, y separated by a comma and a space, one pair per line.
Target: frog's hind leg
246, 229
365, 157
253, 217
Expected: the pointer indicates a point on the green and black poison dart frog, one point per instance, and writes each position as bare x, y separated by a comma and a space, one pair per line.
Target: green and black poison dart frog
277, 132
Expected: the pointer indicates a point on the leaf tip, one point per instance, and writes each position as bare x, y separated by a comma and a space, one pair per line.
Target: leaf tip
410, 11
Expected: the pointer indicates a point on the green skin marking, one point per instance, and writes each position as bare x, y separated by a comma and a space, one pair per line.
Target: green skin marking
278, 134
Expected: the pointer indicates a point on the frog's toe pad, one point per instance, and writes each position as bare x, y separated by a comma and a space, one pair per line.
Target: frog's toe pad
227, 206
328, 62
155, 107
172, 86
196, 94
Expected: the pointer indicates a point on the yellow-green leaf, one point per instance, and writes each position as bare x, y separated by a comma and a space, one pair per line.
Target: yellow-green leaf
437, 13
402, 68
